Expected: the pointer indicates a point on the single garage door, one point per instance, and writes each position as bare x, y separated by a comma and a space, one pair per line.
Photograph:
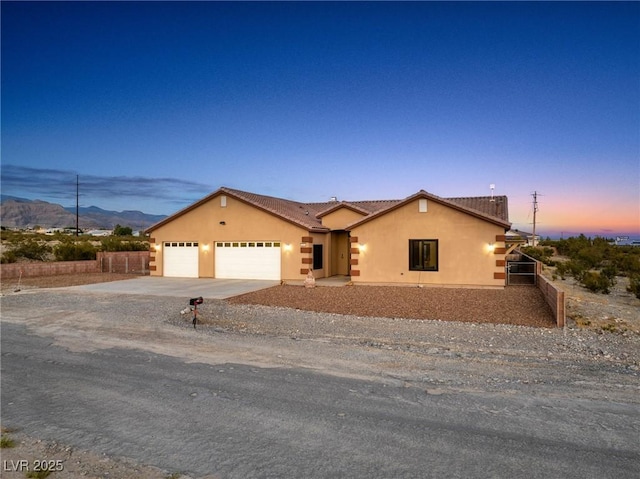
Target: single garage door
248, 260
181, 259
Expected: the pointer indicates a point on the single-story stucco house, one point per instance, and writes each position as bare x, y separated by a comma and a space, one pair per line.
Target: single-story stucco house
422, 239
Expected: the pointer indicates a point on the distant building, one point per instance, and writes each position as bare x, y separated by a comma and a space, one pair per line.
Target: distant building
626, 241
526, 239
100, 232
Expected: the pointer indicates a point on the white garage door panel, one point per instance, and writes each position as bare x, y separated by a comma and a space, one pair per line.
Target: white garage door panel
247, 260
181, 259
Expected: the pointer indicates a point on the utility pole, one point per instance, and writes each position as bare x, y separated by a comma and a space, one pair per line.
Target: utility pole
535, 210
77, 205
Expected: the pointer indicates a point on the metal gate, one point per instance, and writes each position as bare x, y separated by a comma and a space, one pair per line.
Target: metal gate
521, 272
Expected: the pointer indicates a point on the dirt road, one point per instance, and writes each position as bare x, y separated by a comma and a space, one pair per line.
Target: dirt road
431, 358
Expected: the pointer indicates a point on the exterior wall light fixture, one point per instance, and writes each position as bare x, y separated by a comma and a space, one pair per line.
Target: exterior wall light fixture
362, 247
287, 247
205, 247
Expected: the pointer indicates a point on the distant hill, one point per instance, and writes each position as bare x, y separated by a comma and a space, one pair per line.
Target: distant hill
22, 213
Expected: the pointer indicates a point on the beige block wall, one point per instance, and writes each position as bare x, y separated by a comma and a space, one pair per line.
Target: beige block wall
464, 255
339, 219
320, 238
242, 223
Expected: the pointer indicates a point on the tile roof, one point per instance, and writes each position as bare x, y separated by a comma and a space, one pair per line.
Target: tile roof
309, 215
495, 206
493, 209
364, 207
303, 214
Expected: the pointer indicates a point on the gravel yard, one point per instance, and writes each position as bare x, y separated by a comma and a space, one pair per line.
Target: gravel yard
517, 305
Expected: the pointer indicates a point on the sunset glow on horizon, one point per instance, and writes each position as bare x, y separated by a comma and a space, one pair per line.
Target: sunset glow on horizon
157, 104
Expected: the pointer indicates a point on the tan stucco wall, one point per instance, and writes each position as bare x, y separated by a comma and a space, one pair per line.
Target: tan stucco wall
320, 238
464, 255
242, 223
339, 219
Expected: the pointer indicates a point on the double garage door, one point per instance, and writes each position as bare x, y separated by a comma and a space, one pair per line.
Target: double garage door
248, 260
233, 260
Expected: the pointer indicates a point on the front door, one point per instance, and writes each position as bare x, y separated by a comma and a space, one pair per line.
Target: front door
340, 253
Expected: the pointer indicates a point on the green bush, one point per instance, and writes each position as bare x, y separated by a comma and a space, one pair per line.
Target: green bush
576, 269
596, 282
610, 271
543, 254
590, 256
8, 257
628, 260
634, 285
118, 244
31, 249
69, 251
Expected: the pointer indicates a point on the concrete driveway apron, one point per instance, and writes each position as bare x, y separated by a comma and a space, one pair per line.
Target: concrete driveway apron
178, 287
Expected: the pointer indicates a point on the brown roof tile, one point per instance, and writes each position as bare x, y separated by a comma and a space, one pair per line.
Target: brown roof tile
496, 206
309, 215
303, 214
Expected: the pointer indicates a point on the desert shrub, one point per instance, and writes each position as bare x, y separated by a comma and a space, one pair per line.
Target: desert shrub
8, 257
590, 256
541, 254
628, 260
610, 271
119, 244
576, 269
569, 247
634, 285
31, 249
6, 442
70, 251
562, 269
596, 282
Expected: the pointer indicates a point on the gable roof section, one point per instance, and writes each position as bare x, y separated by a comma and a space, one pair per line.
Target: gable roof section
363, 207
482, 206
300, 214
309, 215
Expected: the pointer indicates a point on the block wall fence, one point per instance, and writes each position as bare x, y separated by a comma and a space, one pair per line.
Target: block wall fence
123, 262
553, 296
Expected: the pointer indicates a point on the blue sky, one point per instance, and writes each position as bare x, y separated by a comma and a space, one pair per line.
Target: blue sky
156, 104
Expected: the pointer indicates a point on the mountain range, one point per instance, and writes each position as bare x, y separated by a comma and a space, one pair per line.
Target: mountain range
23, 213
